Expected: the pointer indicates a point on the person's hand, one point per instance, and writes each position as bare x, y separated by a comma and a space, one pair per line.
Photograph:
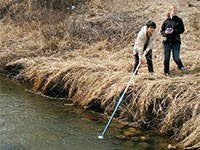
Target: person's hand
145, 52
169, 31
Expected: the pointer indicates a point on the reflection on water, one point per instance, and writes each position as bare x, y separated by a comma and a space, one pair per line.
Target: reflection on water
32, 122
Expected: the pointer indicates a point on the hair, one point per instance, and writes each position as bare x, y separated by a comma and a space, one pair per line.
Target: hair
170, 9
151, 24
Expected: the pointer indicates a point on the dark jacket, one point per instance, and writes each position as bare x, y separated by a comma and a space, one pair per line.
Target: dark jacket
177, 24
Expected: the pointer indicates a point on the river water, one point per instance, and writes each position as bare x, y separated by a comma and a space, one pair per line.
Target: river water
31, 122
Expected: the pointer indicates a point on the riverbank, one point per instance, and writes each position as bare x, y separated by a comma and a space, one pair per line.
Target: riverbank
86, 56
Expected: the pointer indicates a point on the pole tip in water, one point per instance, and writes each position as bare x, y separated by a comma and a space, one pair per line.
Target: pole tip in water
100, 137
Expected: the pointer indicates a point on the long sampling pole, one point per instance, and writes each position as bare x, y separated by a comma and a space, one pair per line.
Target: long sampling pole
101, 136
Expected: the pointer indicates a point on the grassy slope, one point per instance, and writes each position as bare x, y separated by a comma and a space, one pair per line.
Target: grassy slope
85, 55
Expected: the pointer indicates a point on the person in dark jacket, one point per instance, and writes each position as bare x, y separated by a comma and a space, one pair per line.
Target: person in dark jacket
171, 29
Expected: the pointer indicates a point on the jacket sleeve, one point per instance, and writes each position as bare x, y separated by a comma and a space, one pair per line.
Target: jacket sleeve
140, 43
180, 29
162, 31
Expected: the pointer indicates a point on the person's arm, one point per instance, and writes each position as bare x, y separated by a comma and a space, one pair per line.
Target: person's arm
163, 27
140, 43
180, 29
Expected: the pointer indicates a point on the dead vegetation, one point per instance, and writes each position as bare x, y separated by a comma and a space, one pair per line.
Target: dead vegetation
85, 56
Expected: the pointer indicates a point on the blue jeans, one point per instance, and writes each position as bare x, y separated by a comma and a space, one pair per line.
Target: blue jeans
175, 48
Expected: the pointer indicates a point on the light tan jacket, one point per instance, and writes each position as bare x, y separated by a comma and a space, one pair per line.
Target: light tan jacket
141, 40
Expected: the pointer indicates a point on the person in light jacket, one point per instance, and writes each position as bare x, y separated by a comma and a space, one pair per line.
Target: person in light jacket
144, 44
171, 29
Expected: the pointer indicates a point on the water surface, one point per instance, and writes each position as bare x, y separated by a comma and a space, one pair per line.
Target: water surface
31, 122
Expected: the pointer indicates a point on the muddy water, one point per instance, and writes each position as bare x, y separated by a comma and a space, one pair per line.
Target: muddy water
31, 122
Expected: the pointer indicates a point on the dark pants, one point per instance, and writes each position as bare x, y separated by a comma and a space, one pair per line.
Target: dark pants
175, 48
149, 61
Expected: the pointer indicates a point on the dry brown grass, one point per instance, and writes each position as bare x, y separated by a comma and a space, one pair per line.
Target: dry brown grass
86, 57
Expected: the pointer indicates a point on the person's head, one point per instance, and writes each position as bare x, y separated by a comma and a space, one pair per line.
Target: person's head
151, 26
172, 11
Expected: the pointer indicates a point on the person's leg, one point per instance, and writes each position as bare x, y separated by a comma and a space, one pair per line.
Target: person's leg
176, 53
136, 57
167, 54
149, 61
